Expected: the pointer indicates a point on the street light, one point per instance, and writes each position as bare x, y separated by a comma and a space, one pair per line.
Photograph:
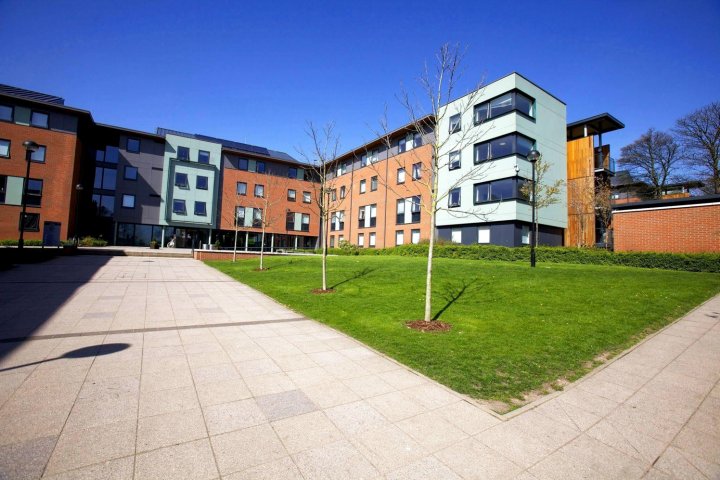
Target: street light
533, 156
78, 188
30, 148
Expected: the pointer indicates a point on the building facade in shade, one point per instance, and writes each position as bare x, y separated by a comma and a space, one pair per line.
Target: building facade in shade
54, 167
486, 145
378, 198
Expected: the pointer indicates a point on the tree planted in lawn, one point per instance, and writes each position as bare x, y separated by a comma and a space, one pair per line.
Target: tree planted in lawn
699, 133
546, 193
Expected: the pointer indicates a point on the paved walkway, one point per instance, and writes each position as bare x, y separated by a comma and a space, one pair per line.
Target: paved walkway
164, 368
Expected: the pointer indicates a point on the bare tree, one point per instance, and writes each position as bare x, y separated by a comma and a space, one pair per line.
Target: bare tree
275, 191
440, 83
546, 194
602, 200
581, 198
321, 161
699, 133
653, 158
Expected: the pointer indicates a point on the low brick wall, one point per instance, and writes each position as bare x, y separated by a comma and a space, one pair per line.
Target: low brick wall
679, 229
222, 255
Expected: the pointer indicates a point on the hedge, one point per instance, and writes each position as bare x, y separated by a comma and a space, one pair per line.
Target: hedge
14, 242
695, 262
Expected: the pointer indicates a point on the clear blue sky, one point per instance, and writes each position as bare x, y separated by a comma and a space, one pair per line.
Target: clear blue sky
257, 71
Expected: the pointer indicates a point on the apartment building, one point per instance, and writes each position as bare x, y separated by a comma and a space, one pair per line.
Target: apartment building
379, 198
54, 167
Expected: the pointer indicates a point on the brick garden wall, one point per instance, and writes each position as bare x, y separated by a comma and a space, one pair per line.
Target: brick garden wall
222, 255
687, 229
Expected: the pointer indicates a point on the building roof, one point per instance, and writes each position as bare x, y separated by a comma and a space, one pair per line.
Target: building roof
669, 202
232, 145
597, 124
130, 130
31, 95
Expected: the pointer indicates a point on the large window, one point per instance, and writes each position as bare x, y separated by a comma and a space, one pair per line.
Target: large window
454, 197
112, 154
105, 178
259, 190
38, 155
201, 182
179, 207
415, 209
513, 144
241, 188
5, 148
257, 217
128, 201
292, 172
183, 153
203, 156
239, 216
34, 192
499, 190
133, 145
104, 205
400, 209
181, 180
131, 173
39, 119
305, 225
508, 102
200, 209
6, 113
337, 221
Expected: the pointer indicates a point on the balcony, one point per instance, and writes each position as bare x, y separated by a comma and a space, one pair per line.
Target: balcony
603, 162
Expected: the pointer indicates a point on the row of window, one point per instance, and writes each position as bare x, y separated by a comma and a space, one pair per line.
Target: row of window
399, 238
37, 119
513, 144
292, 194
34, 191
304, 222
400, 179
183, 154
495, 191
483, 235
179, 208
182, 181
36, 156
514, 101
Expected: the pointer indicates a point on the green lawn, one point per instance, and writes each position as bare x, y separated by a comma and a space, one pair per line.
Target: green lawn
515, 329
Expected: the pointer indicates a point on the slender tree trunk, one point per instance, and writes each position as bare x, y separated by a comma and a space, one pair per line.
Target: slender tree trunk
262, 246
428, 278
235, 243
323, 229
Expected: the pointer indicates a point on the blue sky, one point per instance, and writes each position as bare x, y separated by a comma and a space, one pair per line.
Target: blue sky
258, 71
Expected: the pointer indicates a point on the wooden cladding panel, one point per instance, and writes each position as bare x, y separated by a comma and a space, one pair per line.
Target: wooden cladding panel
580, 158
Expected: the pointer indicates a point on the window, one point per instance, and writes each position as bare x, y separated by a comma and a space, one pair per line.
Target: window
415, 209
402, 145
371, 240
513, 144
203, 156
506, 103
241, 188
99, 155
341, 238
292, 172
3, 188
362, 186
104, 205
39, 119
290, 221
417, 140
342, 168
111, 154
260, 167
133, 145
183, 153
455, 125
361, 217
242, 164
105, 178
5, 148
400, 211
399, 237
333, 194
305, 227
200, 209
373, 215
6, 113
179, 207
373, 183
361, 239
454, 162
130, 173
239, 216
525, 235
34, 192
415, 236
401, 175
332, 241
454, 197
32, 222
128, 201
416, 171
500, 190
337, 221
201, 182
259, 190
307, 198
38, 155
456, 235
483, 234
342, 191
181, 180
257, 217
291, 195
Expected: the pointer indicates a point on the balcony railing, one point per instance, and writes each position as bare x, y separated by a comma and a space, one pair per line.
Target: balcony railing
603, 160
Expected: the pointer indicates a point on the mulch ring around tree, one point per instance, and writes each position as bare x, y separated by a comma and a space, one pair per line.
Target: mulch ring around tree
320, 291
258, 269
433, 326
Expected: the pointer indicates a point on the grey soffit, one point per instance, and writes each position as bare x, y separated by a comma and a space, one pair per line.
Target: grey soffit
31, 95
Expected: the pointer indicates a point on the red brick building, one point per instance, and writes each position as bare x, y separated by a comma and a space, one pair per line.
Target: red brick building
679, 225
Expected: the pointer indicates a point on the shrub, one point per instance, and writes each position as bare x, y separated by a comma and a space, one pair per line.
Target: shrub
347, 248
27, 243
92, 242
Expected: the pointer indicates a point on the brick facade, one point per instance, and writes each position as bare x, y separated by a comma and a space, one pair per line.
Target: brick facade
681, 229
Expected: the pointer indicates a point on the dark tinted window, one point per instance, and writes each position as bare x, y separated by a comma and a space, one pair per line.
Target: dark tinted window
181, 180
111, 154
260, 167
200, 209
38, 155
39, 119
203, 156
130, 173
179, 207
6, 113
201, 183
133, 145
183, 153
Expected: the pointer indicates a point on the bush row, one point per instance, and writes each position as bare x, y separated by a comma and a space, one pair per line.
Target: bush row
696, 262
84, 242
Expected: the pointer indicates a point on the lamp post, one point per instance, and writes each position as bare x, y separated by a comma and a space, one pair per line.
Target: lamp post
30, 148
533, 156
78, 188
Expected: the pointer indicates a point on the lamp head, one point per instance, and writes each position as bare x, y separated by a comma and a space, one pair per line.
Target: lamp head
31, 146
534, 156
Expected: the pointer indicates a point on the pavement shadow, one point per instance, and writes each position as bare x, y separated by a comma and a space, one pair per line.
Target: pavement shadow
91, 351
